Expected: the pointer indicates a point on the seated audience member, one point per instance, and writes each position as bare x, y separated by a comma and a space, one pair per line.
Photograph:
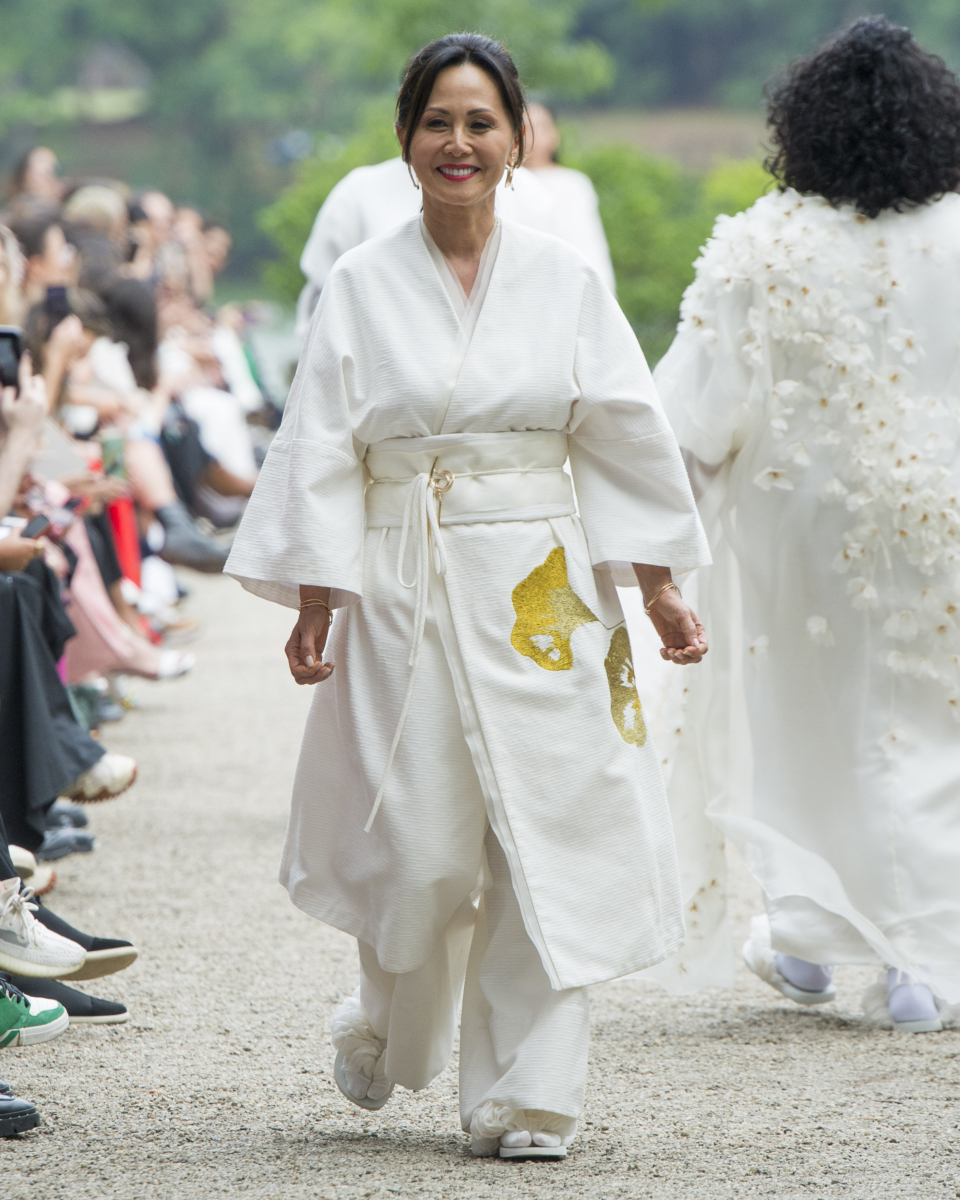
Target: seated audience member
50, 261
44, 751
103, 383
96, 217
12, 270
35, 180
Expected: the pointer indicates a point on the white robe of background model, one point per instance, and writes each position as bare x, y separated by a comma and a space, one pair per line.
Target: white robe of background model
371, 201
814, 386
576, 216
574, 796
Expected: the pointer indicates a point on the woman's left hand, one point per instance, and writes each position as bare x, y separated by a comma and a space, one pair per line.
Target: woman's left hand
683, 637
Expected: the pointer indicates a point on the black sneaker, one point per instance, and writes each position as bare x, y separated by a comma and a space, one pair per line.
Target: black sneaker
81, 1008
104, 955
16, 1116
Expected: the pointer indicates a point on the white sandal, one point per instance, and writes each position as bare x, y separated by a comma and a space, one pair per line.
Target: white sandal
356, 1068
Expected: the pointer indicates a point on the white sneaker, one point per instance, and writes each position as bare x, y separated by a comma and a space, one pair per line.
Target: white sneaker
761, 958
107, 778
23, 861
29, 948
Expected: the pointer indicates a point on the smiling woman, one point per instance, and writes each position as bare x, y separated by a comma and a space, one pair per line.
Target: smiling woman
482, 734
460, 122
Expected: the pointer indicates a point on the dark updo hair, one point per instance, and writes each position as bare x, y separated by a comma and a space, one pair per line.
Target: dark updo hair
455, 50
869, 119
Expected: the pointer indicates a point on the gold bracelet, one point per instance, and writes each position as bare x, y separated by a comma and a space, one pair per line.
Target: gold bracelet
666, 588
322, 604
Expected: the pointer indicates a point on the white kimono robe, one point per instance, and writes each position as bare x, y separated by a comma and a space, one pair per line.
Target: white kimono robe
815, 385
373, 200
521, 670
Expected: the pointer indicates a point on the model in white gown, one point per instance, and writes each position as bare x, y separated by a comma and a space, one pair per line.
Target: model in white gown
814, 386
574, 200
477, 799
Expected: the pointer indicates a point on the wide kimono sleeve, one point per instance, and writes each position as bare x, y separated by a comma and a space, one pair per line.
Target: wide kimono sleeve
633, 494
710, 381
305, 520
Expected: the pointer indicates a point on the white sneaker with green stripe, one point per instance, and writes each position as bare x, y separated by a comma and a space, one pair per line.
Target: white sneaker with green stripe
26, 1020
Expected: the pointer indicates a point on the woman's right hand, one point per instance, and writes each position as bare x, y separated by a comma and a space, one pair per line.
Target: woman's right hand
304, 650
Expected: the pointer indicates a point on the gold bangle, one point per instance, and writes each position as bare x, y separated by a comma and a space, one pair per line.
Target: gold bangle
666, 588
318, 604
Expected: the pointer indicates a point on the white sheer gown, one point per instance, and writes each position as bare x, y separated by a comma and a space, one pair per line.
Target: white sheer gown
814, 385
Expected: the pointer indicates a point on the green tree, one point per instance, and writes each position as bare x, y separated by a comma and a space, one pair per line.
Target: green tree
722, 51
656, 218
218, 79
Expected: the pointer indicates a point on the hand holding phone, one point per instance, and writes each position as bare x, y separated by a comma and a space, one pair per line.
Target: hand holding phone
23, 406
36, 527
11, 351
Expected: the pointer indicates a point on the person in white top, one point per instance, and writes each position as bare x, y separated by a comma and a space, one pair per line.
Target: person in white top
376, 199
477, 800
576, 208
814, 386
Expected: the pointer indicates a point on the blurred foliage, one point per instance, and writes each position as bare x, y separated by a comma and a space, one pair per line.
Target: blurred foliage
655, 214
194, 96
289, 220
722, 51
656, 218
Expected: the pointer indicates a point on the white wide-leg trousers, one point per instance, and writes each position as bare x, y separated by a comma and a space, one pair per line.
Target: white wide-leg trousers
523, 1046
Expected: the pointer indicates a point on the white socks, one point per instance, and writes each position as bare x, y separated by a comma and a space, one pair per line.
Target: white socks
494, 1125
521, 1138
807, 976
909, 1001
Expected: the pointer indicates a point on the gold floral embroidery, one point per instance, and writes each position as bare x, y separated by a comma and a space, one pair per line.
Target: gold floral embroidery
625, 705
548, 611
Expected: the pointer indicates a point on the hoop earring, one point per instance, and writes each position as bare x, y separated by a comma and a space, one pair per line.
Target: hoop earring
413, 179
508, 182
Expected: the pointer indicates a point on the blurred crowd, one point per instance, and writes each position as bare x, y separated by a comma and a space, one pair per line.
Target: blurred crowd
132, 427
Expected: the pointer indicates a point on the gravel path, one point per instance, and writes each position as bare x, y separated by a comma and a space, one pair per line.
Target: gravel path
221, 1084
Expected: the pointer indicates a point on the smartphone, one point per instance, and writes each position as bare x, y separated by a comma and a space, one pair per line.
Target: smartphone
57, 306
11, 349
36, 527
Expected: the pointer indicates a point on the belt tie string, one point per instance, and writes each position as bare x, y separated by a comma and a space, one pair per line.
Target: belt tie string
421, 519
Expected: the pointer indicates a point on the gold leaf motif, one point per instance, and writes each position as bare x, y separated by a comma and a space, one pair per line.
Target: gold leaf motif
548, 611
625, 705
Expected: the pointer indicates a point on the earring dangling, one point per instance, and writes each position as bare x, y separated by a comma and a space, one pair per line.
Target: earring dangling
413, 179
508, 182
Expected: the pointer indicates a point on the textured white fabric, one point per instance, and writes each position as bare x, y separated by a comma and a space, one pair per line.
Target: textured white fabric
816, 365
523, 1046
489, 733
224, 432
374, 200
576, 217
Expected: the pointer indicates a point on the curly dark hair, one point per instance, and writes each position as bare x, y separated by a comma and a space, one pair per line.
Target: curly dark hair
869, 119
